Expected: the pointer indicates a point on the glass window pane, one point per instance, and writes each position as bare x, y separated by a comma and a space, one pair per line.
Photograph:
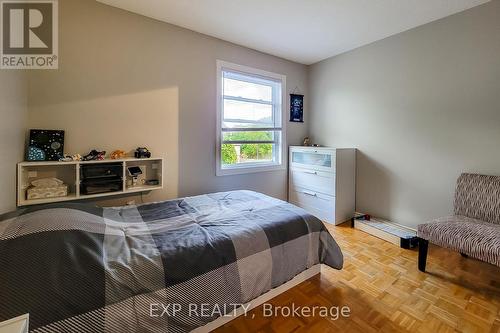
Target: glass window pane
234, 154
248, 90
251, 113
250, 102
248, 136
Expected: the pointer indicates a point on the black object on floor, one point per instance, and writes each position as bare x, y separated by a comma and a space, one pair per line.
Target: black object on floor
423, 246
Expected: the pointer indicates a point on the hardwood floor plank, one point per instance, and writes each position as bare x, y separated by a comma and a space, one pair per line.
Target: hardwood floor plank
385, 292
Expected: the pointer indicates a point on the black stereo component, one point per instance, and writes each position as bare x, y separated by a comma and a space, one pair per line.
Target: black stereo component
101, 178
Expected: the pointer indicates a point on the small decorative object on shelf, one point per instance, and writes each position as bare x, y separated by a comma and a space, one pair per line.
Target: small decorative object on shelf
142, 153
118, 154
71, 158
307, 141
296, 108
48, 142
94, 155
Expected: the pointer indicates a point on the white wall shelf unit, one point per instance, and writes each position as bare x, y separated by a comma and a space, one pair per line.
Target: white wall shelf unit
71, 173
323, 182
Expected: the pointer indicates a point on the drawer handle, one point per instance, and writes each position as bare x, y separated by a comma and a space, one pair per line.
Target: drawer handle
310, 193
311, 172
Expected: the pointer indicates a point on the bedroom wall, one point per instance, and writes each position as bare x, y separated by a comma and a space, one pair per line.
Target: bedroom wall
126, 81
13, 115
421, 106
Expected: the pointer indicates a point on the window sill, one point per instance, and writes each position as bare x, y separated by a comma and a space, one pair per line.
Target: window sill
248, 169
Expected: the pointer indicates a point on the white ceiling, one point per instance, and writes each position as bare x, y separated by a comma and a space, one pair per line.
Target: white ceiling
304, 31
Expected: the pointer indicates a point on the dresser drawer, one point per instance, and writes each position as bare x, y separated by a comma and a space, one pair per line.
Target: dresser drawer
316, 181
320, 159
318, 204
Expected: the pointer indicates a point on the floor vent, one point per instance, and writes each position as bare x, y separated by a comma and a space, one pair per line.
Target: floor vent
386, 230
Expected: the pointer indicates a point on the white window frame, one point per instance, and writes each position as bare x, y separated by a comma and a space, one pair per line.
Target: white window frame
257, 167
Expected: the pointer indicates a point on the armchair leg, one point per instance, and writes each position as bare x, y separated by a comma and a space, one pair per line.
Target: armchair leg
423, 245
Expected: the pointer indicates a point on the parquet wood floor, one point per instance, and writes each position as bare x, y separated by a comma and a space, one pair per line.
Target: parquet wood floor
386, 293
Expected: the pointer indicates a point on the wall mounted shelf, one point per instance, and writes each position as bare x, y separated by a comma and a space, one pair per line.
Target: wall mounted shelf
71, 174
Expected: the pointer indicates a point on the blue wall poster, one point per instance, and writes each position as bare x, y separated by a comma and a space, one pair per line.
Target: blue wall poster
297, 108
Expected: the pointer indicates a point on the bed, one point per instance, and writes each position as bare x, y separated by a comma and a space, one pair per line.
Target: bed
155, 267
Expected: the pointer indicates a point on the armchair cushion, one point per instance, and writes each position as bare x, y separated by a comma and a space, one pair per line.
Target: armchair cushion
476, 238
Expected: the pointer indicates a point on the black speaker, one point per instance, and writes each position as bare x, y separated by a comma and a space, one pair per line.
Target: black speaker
50, 142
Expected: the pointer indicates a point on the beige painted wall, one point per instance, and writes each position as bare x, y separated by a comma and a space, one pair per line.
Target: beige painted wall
126, 81
421, 106
13, 115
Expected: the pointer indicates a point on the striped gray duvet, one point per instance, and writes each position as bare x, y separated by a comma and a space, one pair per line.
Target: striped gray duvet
79, 268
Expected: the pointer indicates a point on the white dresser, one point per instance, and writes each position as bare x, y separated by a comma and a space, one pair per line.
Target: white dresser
323, 182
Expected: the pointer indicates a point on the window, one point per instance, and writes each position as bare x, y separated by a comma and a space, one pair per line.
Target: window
250, 132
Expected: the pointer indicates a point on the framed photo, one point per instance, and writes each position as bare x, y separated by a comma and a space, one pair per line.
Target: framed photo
296, 108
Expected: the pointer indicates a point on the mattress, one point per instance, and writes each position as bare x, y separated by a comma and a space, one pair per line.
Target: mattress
80, 268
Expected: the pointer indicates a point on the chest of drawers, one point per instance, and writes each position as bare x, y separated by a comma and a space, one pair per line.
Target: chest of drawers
323, 182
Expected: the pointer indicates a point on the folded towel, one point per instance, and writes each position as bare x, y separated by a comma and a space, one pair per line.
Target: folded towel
47, 182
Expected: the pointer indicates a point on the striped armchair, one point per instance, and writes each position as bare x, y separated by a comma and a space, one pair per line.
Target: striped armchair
474, 230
